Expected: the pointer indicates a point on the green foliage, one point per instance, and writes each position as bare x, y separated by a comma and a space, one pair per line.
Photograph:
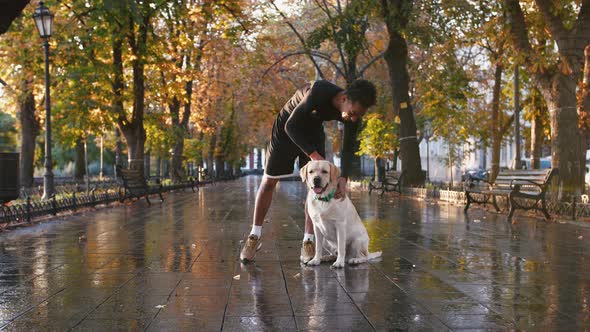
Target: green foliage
160, 136
7, 133
378, 138
193, 150
345, 28
444, 99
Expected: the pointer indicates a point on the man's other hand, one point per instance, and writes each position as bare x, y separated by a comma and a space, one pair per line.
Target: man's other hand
341, 189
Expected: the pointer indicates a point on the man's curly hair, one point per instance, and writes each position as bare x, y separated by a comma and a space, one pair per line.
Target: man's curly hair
363, 92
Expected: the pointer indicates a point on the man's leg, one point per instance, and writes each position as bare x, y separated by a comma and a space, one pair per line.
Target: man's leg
263, 199
261, 206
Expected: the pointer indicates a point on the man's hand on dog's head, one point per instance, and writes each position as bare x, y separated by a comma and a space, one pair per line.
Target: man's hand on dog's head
341, 189
316, 156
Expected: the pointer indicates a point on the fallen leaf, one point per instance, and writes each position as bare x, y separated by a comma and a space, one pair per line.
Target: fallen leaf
237, 277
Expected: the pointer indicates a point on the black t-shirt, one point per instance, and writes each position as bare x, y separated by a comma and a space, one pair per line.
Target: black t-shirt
301, 119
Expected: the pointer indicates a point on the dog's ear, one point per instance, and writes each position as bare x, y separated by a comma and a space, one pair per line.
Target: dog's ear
303, 173
334, 173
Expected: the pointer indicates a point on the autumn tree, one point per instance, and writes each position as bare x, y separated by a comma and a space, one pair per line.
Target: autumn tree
567, 25
377, 139
21, 80
396, 15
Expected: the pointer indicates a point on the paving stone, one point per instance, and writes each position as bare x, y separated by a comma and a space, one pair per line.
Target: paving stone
174, 266
260, 323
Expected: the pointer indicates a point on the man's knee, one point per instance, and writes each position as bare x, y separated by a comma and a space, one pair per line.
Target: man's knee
268, 184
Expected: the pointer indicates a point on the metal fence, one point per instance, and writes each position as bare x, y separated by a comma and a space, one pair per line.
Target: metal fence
576, 209
70, 198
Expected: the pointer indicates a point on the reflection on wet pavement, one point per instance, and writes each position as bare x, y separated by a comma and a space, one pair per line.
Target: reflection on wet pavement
174, 267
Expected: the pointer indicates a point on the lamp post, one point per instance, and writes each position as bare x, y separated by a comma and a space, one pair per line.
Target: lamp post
427, 136
44, 21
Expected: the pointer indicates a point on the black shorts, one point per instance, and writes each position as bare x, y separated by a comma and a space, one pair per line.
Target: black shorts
281, 155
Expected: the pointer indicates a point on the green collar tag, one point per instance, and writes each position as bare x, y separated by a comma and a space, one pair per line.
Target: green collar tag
326, 198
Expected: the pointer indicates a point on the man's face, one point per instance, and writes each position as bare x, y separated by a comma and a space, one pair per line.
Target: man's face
352, 111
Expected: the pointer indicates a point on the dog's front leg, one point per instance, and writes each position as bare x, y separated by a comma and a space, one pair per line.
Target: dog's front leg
341, 239
319, 247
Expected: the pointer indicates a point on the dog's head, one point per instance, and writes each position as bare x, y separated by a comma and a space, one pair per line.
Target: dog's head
320, 176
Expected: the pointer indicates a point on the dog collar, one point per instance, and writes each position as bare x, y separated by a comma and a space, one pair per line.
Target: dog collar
326, 198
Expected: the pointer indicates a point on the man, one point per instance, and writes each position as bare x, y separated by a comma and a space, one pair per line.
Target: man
298, 132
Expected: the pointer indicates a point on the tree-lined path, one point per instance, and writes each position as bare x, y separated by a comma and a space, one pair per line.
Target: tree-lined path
174, 267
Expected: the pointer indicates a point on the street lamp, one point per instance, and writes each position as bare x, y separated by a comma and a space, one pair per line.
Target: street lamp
427, 136
44, 21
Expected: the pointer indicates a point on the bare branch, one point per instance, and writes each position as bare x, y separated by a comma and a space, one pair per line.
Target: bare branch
301, 39
311, 53
366, 66
338, 46
235, 15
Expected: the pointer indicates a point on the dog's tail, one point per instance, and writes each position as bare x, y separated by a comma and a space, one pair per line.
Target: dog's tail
373, 255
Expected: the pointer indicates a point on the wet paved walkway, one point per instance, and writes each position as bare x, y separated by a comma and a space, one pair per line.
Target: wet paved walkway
174, 267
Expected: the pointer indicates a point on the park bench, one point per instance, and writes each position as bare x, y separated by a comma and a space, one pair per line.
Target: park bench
523, 189
136, 185
392, 181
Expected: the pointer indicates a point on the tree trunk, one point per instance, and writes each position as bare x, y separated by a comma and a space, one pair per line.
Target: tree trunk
135, 139
219, 167
133, 130
176, 169
584, 114
517, 160
351, 163
536, 141
495, 123
178, 141
395, 14
29, 132
379, 169
159, 167
259, 159
565, 135
210, 154
79, 162
146, 164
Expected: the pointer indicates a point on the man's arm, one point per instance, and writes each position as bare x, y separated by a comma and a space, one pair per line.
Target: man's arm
341, 189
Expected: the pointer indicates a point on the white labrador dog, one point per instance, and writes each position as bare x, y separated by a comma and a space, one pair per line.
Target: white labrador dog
337, 226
